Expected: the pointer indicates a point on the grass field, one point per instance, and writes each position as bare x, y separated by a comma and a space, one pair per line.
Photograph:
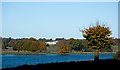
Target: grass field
37, 53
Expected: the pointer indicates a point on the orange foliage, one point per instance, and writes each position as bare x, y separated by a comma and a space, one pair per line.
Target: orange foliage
42, 46
63, 47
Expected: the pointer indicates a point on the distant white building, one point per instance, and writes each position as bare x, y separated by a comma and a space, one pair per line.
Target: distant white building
52, 43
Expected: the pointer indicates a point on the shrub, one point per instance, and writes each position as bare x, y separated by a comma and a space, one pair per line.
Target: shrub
117, 55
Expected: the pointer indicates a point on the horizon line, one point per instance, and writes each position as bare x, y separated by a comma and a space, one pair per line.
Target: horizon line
49, 38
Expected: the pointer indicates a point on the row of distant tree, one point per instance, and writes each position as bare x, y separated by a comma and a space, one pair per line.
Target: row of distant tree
97, 38
39, 45
24, 44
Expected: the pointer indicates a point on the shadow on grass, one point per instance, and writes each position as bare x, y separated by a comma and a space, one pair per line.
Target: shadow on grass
101, 64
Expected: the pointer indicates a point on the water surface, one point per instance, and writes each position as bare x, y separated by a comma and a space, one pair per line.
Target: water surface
9, 61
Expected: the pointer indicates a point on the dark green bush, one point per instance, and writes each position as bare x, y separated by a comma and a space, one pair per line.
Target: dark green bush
117, 55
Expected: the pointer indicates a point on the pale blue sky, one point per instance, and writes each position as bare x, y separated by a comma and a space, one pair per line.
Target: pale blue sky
56, 19
0, 19
59, 0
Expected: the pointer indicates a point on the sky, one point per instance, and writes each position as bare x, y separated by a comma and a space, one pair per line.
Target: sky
56, 19
59, 0
0, 19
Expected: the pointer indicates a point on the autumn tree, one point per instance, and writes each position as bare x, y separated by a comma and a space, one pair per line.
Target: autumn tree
11, 43
30, 44
5, 42
41, 46
18, 45
63, 46
98, 37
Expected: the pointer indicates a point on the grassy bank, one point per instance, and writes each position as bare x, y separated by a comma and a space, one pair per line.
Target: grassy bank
37, 53
27, 53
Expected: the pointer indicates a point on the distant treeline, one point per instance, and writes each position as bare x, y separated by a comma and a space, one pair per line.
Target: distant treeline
40, 45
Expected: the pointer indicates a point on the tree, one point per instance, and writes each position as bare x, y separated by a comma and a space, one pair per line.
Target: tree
42, 46
42, 39
34, 46
117, 55
58, 39
18, 45
98, 37
5, 42
11, 43
76, 44
63, 46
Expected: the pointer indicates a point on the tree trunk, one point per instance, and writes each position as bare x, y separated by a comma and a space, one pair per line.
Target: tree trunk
96, 55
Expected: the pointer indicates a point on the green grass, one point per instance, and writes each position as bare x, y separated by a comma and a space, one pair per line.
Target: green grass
37, 53
22, 53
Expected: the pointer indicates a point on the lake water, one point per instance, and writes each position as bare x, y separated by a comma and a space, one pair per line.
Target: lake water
9, 61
